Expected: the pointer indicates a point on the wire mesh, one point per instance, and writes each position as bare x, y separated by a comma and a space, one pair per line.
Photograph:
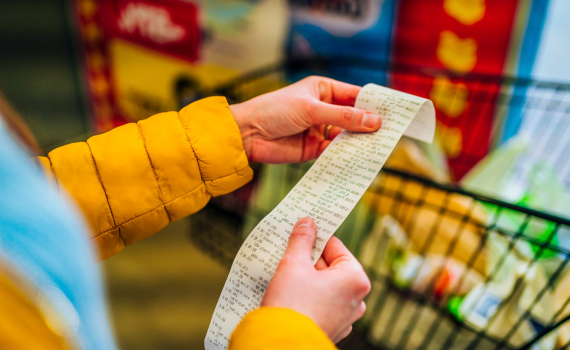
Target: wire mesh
505, 244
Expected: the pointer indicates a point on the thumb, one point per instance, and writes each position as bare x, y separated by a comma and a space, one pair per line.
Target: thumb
302, 240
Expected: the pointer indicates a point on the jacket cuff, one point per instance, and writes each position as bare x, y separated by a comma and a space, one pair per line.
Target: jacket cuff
216, 141
278, 328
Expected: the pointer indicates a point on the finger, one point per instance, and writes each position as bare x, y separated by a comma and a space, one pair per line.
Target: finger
355, 316
337, 255
334, 91
343, 334
335, 130
335, 251
350, 118
358, 312
302, 240
321, 264
324, 144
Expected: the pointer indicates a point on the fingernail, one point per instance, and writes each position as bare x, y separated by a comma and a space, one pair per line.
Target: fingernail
304, 222
371, 120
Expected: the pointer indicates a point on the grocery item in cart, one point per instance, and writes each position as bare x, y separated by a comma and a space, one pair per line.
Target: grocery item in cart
545, 190
437, 275
536, 186
393, 316
437, 221
515, 304
389, 252
562, 305
493, 175
495, 303
502, 175
386, 238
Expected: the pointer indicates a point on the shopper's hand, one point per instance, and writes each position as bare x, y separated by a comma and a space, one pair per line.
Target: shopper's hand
288, 125
331, 293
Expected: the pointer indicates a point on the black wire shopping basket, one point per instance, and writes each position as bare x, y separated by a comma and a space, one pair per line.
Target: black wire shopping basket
450, 269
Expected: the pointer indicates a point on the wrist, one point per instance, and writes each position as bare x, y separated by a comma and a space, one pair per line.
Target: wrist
240, 113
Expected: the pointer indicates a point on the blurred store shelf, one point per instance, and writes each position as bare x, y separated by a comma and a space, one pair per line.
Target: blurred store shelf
38, 69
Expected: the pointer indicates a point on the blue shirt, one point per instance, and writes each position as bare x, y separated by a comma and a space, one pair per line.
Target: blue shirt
43, 238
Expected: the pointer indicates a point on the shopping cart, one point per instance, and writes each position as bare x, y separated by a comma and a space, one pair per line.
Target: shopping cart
399, 317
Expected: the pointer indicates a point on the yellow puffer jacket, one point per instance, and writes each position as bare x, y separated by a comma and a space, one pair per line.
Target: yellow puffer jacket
134, 180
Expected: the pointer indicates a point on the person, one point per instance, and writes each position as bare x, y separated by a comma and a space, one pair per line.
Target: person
132, 181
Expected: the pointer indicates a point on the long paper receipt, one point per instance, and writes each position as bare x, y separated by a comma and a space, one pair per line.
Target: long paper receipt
327, 193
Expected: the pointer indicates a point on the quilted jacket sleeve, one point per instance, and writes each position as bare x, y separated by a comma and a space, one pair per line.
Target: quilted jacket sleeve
133, 180
278, 329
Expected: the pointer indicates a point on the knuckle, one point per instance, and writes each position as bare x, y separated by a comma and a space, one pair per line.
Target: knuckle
361, 284
312, 109
361, 310
286, 259
287, 262
304, 234
325, 88
347, 332
346, 114
313, 78
366, 286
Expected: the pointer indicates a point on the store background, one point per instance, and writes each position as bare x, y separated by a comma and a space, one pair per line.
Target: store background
162, 290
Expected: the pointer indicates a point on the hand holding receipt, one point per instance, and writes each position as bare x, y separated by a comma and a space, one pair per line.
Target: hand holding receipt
327, 193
